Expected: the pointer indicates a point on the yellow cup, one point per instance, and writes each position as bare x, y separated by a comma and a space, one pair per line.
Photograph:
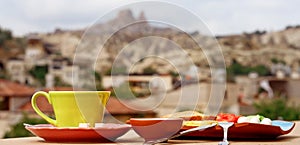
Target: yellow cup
73, 107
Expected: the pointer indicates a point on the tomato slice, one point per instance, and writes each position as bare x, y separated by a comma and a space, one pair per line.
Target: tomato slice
227, 117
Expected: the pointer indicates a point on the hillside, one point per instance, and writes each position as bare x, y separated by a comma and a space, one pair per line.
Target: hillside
248, 49
261, 47
10, 46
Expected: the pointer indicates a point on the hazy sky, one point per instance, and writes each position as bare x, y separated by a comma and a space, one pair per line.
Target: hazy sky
221, 16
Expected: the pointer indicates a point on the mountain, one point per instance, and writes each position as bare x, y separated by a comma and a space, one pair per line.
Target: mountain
173, 46
263, 47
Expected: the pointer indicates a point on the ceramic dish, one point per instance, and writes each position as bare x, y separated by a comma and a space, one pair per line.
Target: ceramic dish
245, 131
156, 128
105, 133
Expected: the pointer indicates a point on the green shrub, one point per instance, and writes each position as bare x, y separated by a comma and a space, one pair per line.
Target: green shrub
59, 82
124, 92
149, 71
39, 72
278, 109
116, 71
237, 69
18, 130
98, 80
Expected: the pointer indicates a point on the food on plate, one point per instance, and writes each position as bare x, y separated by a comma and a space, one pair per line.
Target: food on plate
194, 118
228, 117
266, 121
190, 115
255, 119
196, 123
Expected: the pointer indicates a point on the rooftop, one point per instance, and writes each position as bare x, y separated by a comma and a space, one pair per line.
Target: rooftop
13, 89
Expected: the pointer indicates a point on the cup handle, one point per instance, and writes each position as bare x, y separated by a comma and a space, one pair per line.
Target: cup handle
37, 110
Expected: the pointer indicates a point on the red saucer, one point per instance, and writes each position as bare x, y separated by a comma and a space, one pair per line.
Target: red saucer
106, 133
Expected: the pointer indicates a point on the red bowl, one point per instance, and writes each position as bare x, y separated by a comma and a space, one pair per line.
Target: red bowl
156, 128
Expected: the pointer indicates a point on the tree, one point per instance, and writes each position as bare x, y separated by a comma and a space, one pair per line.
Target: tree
18, 130
98, 80
278, 108
4, 36
39, 72
276, 61
124, 91
237, 69
59, 82
116, 71
149, 71
261, 70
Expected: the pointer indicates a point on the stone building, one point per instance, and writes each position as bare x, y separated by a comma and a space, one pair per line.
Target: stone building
35, 52
40, 53
16, 69
62, 68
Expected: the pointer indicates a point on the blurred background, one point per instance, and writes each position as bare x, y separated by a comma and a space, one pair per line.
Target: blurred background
260, 42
